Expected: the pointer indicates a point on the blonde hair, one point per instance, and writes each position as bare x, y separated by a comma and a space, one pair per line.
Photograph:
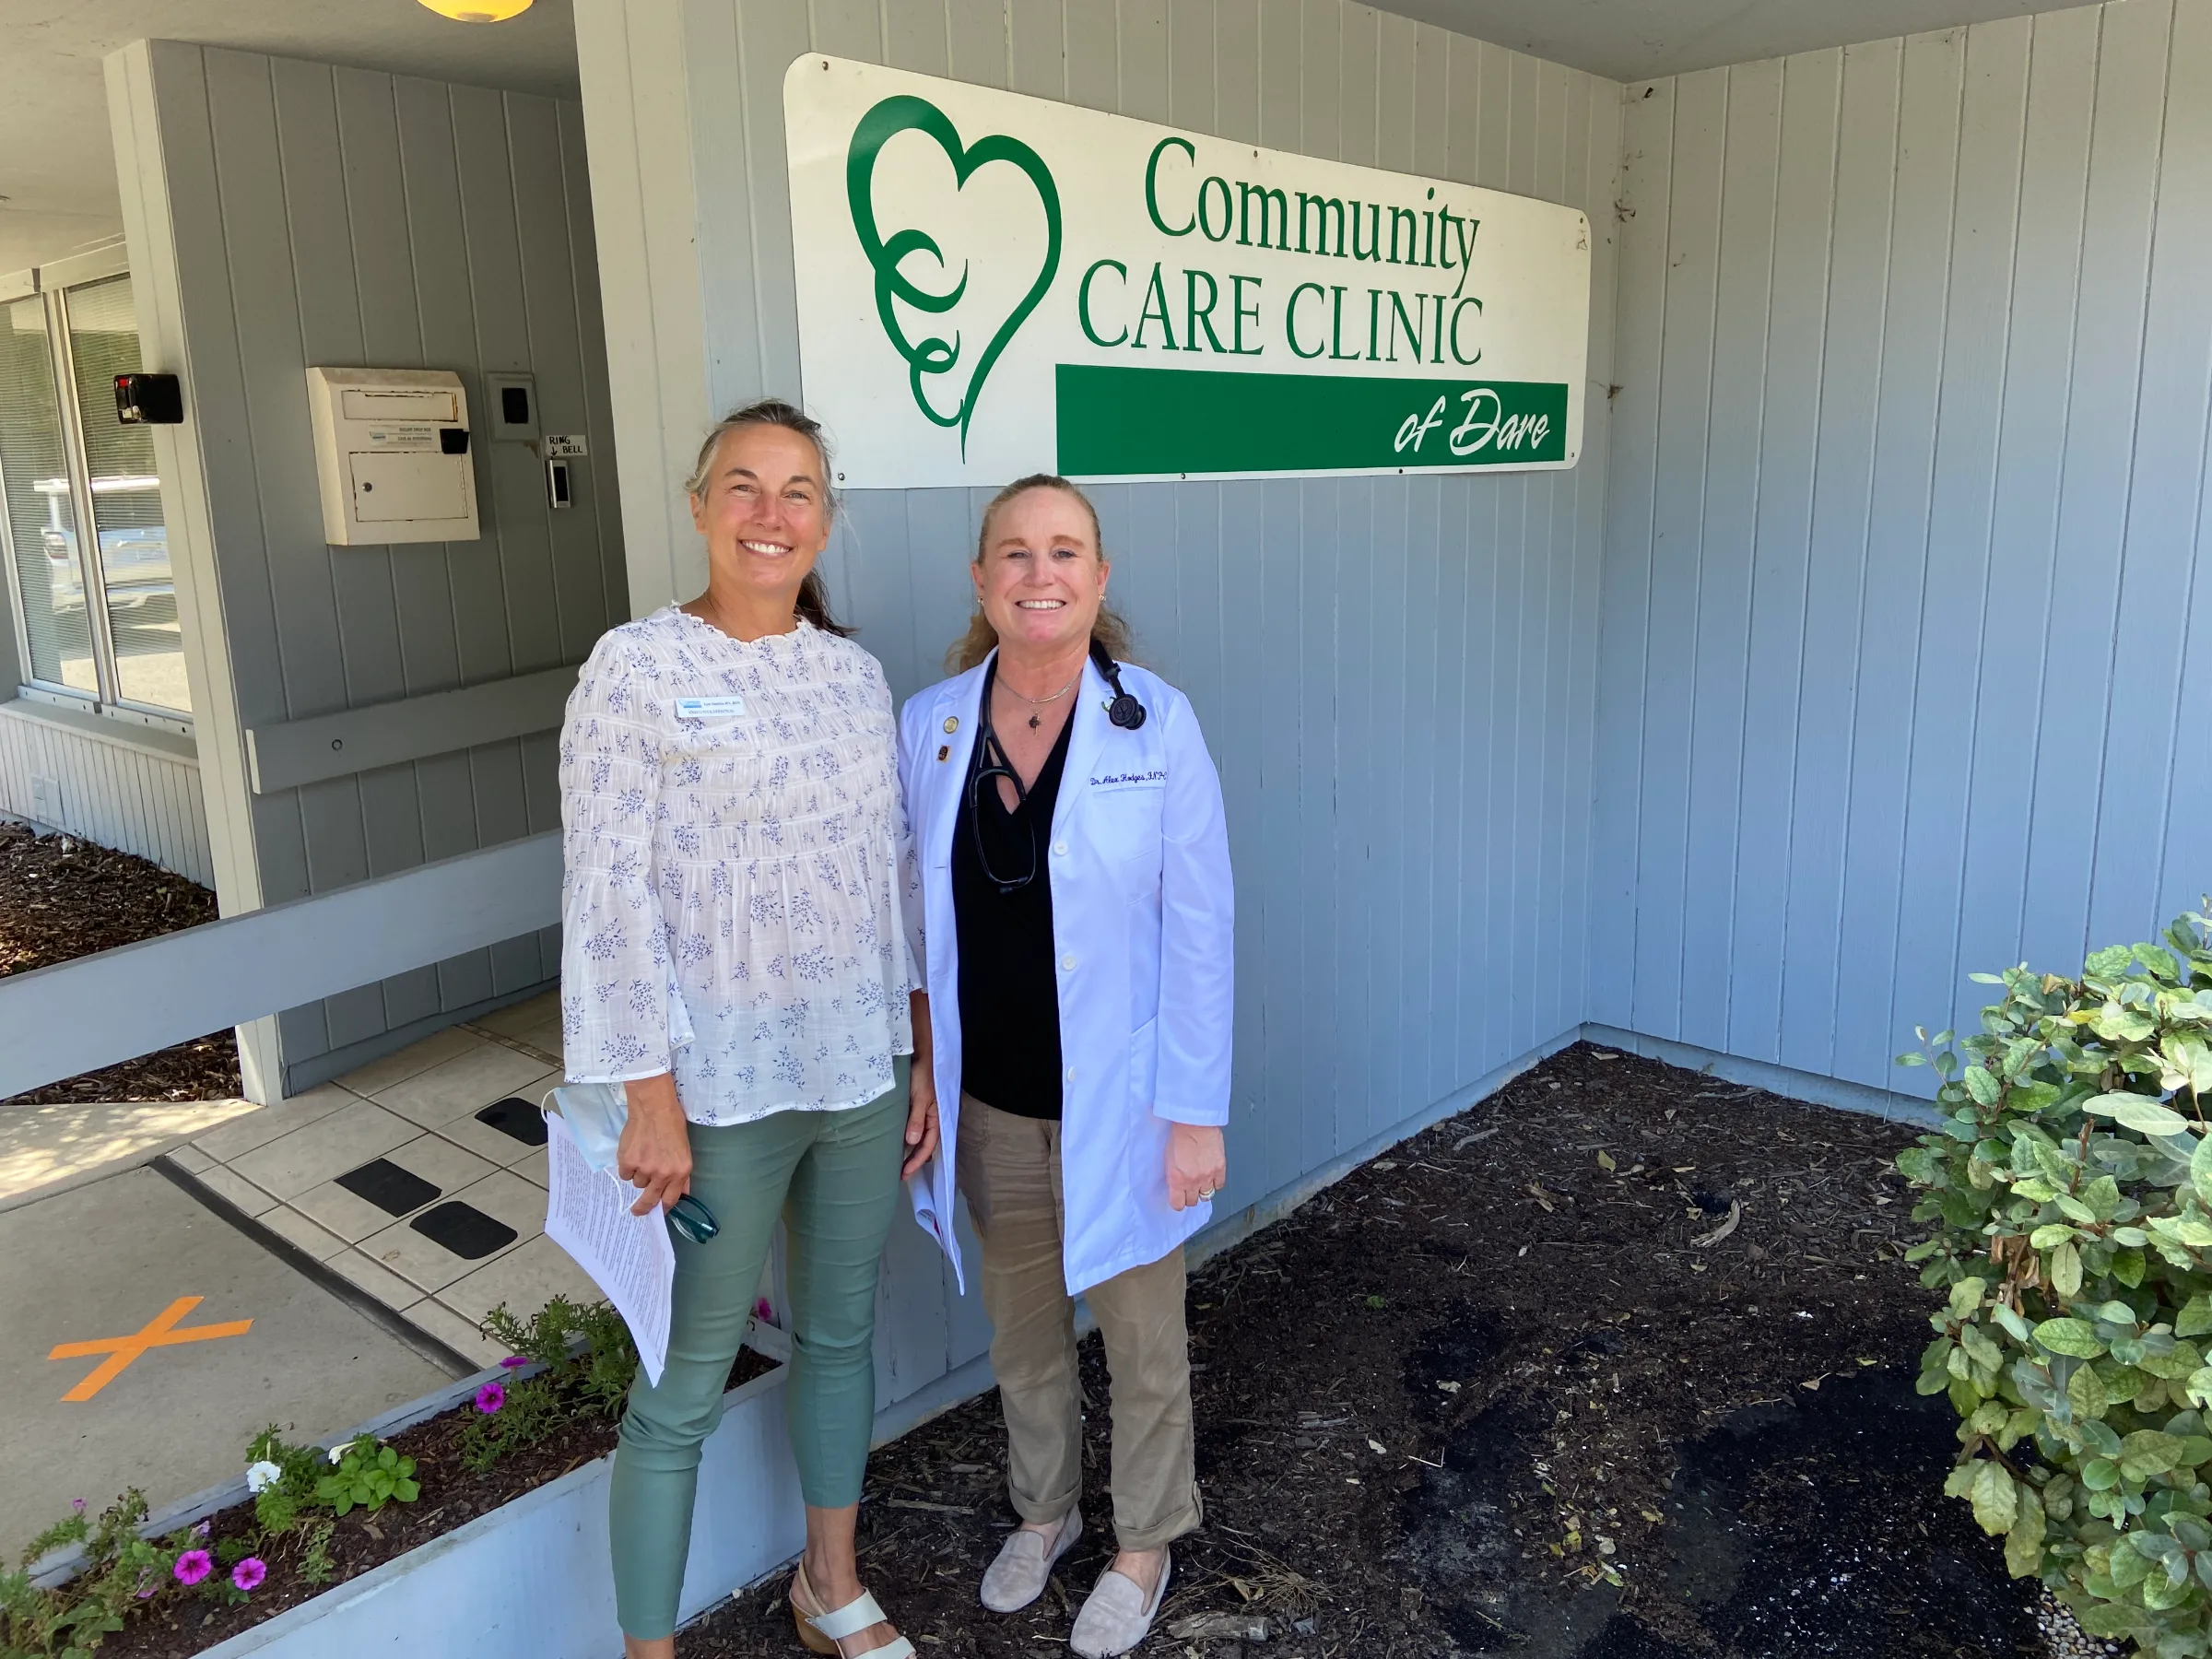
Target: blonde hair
813, 602
1109, 630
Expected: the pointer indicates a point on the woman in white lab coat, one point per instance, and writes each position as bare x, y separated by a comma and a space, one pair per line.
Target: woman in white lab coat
1075, 921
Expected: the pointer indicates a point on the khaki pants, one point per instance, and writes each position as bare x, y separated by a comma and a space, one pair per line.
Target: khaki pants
1009, 1169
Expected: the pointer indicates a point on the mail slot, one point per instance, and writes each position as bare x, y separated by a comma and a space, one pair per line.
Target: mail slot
400, 405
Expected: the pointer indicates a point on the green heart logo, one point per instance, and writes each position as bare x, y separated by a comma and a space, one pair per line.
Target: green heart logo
935, 356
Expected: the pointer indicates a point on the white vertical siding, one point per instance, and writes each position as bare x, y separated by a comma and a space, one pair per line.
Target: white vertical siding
136, 793
1393, 674
1904, 663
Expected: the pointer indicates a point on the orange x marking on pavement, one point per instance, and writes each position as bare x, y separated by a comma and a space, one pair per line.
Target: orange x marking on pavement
159, 1331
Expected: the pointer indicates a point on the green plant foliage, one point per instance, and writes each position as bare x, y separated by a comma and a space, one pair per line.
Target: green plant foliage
588, 1362
68, 1622
2071, 1190
277, 1507
584, 1346
368, 1474
316, 1565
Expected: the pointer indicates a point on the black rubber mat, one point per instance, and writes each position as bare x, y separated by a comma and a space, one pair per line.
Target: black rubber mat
464, 1229
392, 1189
517, 1118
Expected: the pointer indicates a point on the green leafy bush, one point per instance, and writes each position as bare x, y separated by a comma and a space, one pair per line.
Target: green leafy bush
587, 1360
2071, 1187
120, 1569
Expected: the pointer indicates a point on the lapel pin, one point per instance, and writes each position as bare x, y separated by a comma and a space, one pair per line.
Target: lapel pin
952, 723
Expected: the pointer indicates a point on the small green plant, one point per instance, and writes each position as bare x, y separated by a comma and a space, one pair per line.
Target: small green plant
68, 1621
586, 1344
282, 1478
367, 1475
2071, 1193
316, 1565
587, 1361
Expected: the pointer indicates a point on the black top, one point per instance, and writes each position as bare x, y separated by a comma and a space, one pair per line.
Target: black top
1010, 995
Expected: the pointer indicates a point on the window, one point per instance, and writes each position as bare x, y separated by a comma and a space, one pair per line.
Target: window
96, 612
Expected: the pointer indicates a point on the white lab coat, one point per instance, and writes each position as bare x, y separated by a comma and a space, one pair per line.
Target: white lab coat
1142, 945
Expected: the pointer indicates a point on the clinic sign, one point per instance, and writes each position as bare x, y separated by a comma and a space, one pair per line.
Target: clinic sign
991, 285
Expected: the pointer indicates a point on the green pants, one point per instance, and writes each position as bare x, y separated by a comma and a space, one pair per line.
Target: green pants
834, 1176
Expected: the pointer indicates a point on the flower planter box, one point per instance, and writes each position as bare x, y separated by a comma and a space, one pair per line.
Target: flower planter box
530, 1580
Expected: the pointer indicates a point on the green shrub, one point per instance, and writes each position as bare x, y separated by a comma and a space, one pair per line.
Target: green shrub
120, 1569
2071, 1187
588, 1359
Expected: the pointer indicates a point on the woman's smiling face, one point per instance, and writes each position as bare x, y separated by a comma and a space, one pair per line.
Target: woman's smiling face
764, 508
1041, 578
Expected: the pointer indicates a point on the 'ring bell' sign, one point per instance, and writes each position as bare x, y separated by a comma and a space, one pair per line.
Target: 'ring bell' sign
991, 285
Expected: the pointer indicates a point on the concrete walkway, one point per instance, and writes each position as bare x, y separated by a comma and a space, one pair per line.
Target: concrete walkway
104, 1261
47, 1150
276, 1264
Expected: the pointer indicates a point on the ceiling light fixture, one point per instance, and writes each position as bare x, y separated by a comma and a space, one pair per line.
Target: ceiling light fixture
479, 11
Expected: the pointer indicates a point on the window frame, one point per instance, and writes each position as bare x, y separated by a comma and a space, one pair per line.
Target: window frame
53, 285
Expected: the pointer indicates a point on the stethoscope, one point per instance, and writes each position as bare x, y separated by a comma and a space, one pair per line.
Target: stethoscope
990, 764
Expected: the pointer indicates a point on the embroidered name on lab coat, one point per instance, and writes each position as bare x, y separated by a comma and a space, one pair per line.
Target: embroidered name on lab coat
1132, 779
708, 708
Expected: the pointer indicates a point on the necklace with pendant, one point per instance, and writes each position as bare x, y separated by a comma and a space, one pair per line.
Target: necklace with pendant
1039, 703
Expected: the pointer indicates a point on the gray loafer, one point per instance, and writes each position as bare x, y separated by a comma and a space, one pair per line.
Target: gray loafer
1117, 1616
1025, 1563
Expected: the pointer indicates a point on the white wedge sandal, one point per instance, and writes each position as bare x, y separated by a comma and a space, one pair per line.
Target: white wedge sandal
822, 1631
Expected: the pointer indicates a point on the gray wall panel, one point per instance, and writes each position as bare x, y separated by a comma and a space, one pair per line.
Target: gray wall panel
341, 217
1902, 669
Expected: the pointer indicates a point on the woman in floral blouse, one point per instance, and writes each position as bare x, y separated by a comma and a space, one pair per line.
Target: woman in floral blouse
733, 953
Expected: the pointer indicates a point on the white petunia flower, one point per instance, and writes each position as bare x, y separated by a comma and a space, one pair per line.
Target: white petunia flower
262, 1476
338, 1455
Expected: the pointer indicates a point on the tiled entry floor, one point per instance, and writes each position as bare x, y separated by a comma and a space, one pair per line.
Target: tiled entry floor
419, 1178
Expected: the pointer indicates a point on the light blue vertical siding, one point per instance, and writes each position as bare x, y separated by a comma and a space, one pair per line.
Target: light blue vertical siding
1902, 670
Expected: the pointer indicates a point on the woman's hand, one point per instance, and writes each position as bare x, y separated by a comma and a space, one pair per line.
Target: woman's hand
921, 1119
655, 1149
1197, 1164
920, 1090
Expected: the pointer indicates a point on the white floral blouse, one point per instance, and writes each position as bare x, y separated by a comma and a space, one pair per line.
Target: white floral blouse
736, 852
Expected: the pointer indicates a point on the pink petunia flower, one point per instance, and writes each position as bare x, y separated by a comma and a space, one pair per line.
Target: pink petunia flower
248, 1573
192, 1565
77, 1504
203, 1529
490, 1397
513, 1362
762, 1311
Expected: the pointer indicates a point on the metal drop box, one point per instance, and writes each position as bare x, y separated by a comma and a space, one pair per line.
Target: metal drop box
391, 455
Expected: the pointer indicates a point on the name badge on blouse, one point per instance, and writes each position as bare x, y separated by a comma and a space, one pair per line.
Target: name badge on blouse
708, 708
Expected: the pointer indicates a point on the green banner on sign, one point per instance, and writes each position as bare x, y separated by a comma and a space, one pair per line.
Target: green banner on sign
1117, 422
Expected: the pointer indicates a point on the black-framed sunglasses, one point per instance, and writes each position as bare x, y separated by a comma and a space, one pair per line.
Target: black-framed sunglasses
693, 1220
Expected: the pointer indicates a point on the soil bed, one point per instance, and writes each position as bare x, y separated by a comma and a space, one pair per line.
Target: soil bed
61, 898
453, 1495
1450, 1401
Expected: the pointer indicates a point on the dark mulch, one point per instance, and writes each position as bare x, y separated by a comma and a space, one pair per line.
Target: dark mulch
1729, 1429
452, 1496
63, 898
